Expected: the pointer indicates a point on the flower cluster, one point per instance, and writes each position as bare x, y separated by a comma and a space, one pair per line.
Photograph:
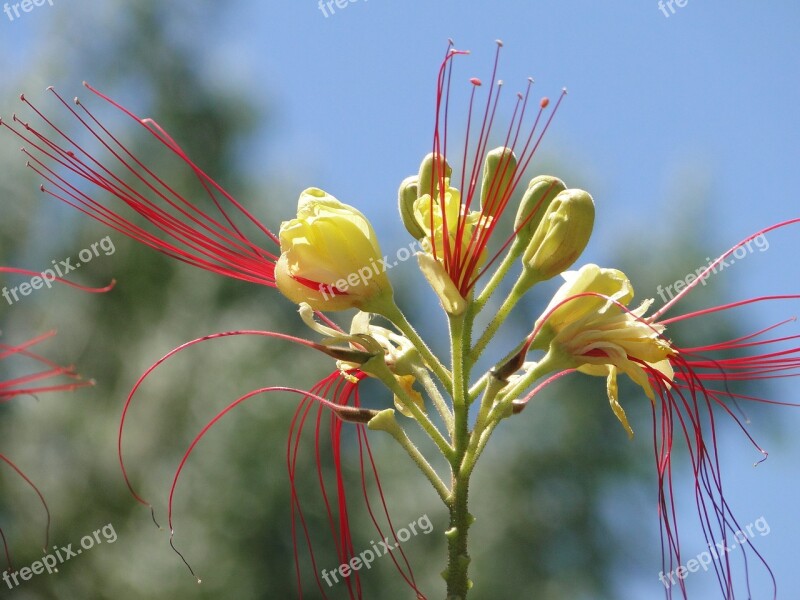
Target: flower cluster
589, 326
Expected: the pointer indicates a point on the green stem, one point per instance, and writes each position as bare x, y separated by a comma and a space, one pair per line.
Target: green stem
551, 361
382, 372
456, 574
514, 253
436, 397
458, 559
522, 285
471, 455
386, 421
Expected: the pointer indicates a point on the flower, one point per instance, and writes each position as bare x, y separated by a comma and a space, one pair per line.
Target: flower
330, 257
587, 327
458, 222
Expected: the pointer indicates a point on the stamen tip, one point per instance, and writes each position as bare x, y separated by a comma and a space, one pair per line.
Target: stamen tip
544, 102
475, 81
22, 97
499, 43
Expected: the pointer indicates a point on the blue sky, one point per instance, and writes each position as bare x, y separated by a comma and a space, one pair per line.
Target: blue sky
658, 108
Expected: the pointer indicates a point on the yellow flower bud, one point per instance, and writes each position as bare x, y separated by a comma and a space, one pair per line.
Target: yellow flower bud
430, 174
406, 197
541, 191
499, 169
561, 235
330, 257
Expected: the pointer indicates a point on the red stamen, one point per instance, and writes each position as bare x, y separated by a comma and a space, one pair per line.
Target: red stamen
28, 385
182, 230
462, 257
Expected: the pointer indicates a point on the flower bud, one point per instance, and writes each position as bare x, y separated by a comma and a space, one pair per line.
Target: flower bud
406, 197
561, 235
498, 175
330, 257
537, 198
430, 175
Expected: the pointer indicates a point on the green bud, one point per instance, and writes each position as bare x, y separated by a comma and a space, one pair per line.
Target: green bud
541, 191
498, 175
561, 235
406, 196
429, 175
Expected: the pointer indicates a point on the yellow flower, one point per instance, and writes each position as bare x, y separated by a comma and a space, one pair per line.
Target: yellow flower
459, 228
330, 257
448, 234
598, 337
589, 278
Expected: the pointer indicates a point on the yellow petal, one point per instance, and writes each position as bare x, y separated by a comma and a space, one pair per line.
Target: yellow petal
452, 300
407, 383
611, 389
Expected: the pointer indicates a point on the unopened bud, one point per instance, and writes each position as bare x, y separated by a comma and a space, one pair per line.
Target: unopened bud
406, 197
431, 175
498, 175
561, 236
541, 191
